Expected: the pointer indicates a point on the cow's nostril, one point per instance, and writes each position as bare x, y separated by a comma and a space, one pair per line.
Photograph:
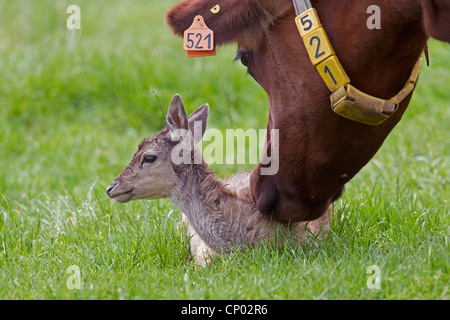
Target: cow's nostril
108, 191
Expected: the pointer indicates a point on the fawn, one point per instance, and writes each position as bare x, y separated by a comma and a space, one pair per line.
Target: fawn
219, 214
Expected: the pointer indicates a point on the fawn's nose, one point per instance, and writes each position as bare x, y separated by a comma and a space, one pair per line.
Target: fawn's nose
110, 188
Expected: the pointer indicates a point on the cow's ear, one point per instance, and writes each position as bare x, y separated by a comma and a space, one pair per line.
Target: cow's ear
436, 18
241, 21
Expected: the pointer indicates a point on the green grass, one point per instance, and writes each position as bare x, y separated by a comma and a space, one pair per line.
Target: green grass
74, 107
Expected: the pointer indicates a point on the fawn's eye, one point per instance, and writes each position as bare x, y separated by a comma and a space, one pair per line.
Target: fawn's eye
149, 158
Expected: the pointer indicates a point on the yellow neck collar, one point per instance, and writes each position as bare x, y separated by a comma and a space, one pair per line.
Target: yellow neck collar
346, 100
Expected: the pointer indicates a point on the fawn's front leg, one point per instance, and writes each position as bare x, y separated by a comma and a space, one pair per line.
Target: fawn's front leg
200, 251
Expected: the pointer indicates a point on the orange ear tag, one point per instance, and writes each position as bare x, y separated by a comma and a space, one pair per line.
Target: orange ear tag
199, 39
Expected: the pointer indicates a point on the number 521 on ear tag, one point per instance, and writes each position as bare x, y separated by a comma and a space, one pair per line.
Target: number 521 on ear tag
199, 39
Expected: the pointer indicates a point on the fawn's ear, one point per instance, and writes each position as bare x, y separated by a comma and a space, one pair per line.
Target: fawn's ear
176, 116
198, 121
436, 18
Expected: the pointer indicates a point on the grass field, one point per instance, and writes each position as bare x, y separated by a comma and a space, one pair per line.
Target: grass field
74, 105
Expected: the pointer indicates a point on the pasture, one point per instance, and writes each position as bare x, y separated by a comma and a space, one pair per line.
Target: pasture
74, 105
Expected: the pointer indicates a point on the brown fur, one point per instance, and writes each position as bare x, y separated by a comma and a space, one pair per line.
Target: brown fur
238, 21
319, 150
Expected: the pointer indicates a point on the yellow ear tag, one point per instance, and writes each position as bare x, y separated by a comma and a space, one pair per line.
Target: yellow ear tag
215, 9
199, 39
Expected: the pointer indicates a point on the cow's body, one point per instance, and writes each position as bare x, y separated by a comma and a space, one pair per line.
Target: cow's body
319, 150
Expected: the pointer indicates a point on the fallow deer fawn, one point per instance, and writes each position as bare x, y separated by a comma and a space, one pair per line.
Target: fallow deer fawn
219, 214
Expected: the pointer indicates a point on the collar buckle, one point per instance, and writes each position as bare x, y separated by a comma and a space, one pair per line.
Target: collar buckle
358, 106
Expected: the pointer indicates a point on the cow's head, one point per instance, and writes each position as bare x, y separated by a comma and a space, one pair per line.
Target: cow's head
319, 150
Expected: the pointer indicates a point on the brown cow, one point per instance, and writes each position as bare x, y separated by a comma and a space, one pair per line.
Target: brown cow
319, 150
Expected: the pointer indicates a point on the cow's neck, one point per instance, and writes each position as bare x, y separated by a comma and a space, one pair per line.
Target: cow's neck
330, 150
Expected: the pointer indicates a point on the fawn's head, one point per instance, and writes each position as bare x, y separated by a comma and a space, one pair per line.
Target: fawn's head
151, 174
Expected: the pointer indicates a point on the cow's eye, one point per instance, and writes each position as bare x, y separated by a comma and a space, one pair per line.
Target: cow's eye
245, 56
149, 158
244, 60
